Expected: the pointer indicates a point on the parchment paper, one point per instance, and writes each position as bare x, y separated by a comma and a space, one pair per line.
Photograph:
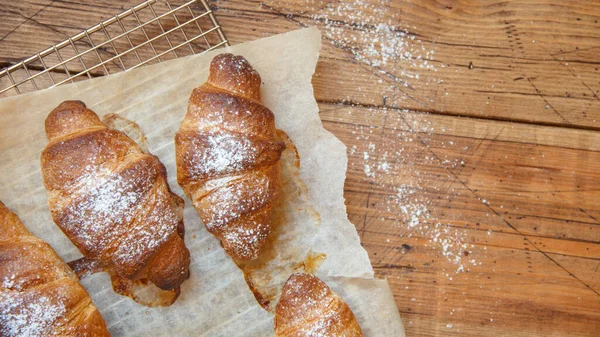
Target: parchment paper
215, 301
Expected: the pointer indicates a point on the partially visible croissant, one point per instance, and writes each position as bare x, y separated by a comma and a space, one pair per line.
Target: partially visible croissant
39, 294
113, 201
227, 152
307, 307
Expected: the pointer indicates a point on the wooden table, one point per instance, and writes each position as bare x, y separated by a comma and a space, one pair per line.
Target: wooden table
473, 140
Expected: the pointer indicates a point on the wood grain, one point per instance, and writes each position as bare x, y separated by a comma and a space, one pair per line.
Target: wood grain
515, 50
525, 209
475, 186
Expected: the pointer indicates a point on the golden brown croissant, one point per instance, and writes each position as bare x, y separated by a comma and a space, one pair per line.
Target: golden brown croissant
40, 295
113, 201
307, 307
227, 152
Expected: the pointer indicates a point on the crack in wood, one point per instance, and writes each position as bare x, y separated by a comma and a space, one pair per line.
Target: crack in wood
536, 59
539, 92
27, 18
487, 244
393, 266
573, 51
588, 214
530, 94
474, 116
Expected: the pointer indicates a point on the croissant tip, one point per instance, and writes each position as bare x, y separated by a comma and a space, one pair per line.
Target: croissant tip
227, 57
68, 117
73, 102
235, 74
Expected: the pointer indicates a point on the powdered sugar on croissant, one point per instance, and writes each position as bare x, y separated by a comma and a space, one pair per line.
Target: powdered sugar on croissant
39, 294
228, 152
308, 308
112, 200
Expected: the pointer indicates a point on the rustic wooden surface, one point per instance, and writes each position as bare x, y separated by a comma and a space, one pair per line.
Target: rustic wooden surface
475, 187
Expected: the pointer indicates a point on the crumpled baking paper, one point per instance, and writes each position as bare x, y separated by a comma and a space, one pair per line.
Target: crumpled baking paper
215, 301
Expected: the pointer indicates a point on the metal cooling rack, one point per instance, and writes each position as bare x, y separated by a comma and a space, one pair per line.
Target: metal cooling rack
151, 32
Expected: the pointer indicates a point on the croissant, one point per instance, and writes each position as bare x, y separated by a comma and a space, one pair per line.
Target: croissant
227, 153
307, 307
40, 295
113, 201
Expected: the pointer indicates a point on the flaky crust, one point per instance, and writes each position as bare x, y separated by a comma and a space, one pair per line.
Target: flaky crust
39, 294
227, 152
307, 307
112, 200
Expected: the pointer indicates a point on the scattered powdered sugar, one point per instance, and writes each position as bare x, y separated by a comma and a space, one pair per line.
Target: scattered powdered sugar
119, 210
247, 239
9, 281
394, 163
240, 76
31, 317
393, 159
402, 153
97, 204
225, 152
249, 235
374, 34
153, 227
237, 199
240, 71
232, 211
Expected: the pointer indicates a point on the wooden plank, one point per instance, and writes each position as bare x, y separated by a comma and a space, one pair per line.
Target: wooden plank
480, 302
517, 51
486, 233
459, 127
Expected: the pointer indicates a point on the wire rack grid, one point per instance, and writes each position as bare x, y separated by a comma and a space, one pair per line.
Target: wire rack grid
151, 32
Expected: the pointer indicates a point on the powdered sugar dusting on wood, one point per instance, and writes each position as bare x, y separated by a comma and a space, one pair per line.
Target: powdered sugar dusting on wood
392, 160
377, 36
372, 33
